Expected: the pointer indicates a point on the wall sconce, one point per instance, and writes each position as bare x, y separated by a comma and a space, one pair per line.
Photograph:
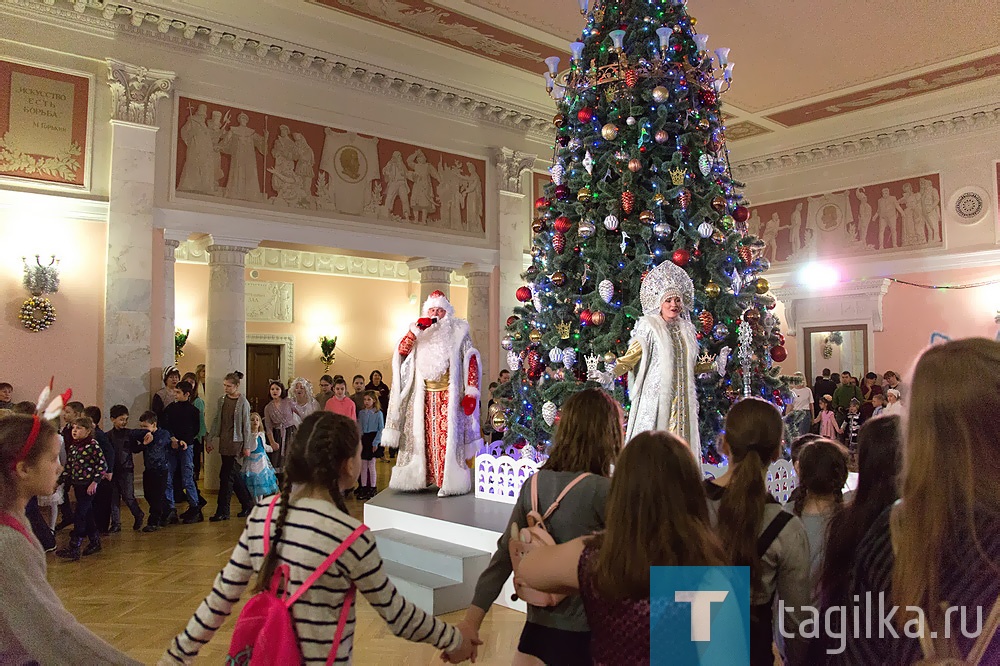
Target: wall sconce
180, 339
37, 313
327, 347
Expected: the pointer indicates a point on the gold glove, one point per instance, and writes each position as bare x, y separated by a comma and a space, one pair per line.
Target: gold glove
627, 362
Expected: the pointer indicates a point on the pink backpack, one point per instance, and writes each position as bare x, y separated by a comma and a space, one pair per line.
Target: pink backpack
265, 631
535, 535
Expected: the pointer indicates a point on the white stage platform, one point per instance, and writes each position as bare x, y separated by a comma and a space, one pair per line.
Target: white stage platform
464, 521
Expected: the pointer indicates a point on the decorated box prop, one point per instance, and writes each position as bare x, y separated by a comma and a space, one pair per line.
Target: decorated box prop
500, 478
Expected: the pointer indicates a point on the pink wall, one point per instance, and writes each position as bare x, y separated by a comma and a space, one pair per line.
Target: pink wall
72, 349
368, 316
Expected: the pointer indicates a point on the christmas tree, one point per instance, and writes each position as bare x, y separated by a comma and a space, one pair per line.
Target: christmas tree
640, 175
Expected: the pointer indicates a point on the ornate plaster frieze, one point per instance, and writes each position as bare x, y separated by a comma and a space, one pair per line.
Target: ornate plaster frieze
298, 261
136, 90
849, 302
511, 165
860, 145
253, 49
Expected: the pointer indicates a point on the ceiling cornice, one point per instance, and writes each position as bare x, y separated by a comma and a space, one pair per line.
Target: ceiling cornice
850, 148
231, 43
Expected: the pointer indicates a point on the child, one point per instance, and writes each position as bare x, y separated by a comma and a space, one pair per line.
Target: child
72, 411
257, 471
587, 442
309, 523
102, 498
743, 512
371, 424
123, 470
851, 428
165, 396
154, 445
358, 397
85, 467
894, 406
657, 472
37, 629
340, 403
199, 442
878, 401
822, 475
6, 393
280, 421
183, 421
231, 427
827, 419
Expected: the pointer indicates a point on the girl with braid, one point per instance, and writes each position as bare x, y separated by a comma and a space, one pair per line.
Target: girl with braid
309, 523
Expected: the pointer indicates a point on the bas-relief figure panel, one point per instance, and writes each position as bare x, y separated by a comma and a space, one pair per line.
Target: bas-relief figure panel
44, 124
899, 215
269, 301
253, 159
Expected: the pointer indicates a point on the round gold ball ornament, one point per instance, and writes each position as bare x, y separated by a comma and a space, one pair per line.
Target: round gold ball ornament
659, 199
712, 290
660, 94
535, 336
559, 120
635, 165
37, 314
762, 286
583, 194
718, 237
704, 124
647, 217
558, 278
718, 203
609, 132
497, 418
597, 318
661, 136
610, 358
537, 226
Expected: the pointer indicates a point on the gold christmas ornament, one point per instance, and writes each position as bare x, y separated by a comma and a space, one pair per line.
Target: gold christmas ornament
635, 165
658, 199
563, 328
583, 194
597, 318
37, 314
718, 237
660, 94
646, 217
535, 335
609, 132
718, 203
703, 124
559, 120
661, 136
712, 290
762, 286
610, 358
677, 176
537, 226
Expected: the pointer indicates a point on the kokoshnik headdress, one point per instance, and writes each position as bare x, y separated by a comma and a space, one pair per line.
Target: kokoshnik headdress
667, 279
48, 409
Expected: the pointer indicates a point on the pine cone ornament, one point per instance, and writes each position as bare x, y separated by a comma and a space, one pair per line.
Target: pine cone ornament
558, 242
569, 358
549, 411
707, 321
631, 78
683, 198
628, 202
606, 289
746, 254
533, 364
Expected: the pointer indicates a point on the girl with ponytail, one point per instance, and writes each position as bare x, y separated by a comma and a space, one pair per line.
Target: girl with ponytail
754, 530
310, 521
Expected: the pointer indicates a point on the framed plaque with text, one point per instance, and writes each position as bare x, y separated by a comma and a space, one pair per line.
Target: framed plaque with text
45, 125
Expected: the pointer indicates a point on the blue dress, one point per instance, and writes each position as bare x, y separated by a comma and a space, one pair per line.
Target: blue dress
257, 471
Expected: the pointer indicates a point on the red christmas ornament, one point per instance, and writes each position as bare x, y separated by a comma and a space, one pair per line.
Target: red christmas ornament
681, 257
684, 198
523, 294
628, 202
631, 78
562, 192
562, 224
513, 318
558, 242
699, 336
585, 115
741, 214
778, 354
541, 202
585, 317
708, 97
745, 254
563, 140
520, 443
676, 47
697, 252
533, 363
707, 321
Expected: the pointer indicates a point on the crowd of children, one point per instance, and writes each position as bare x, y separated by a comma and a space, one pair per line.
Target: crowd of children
922, 527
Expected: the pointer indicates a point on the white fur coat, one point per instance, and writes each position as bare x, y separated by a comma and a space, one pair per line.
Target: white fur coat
435, 350
652, 386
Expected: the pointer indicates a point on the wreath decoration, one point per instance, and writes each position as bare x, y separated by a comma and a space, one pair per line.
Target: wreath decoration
37, 314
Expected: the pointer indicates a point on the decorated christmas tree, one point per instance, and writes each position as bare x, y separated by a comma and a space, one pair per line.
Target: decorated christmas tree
640, 175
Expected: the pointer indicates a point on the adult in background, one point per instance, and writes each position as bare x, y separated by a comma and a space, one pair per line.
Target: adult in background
892, 380
825, 385
846, 392
801, 412
869, 389
434, 405
376, 384
231, 427
325, 390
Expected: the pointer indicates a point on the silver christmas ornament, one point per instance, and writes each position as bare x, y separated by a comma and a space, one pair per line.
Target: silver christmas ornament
569, 358
705, 229
630, 121
549, 411
556, 355
588, 163
611, 223
586, 229
507, 343
661, 229
606, 289
705, 164
513, 361
557, 171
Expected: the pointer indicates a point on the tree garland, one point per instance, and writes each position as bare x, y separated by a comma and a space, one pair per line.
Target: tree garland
37, 314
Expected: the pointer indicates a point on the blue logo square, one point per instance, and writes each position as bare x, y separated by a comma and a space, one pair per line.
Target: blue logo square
699, 616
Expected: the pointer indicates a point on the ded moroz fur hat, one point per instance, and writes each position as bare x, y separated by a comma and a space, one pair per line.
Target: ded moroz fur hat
437, 299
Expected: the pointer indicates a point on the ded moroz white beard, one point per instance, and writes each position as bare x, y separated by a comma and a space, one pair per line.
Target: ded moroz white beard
435, 348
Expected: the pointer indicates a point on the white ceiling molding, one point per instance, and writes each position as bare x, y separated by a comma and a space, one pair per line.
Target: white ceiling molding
250, 48
876, 142
858, 302
299, 261
39, 204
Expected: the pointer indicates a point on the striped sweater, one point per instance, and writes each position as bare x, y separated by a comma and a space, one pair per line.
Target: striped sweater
314, 529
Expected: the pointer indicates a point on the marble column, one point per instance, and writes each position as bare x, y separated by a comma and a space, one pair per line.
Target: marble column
513, 224
435, 274
226, 343
128, 356
171, 241
480, 280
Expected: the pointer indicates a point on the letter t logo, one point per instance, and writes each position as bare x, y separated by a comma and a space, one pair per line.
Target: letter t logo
701, 611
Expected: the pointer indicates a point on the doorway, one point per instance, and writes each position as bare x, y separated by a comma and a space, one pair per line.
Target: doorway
263, 365
839, 348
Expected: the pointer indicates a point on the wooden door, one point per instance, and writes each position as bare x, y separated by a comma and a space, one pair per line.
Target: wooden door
262, 367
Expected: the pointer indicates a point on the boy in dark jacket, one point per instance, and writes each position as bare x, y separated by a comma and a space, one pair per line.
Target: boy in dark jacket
183, 420
124, 443
102, 498
155, 444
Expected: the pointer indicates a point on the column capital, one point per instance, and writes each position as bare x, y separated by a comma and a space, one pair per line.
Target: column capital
233, 242
169, 250
136, 90
428, 264
477, 270
511, 165
177, 235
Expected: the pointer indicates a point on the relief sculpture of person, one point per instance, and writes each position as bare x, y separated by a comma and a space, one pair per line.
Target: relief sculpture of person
422, 197
888, 214
472, 188
865, 215
930, 201
396, 184
242, 143
198, 172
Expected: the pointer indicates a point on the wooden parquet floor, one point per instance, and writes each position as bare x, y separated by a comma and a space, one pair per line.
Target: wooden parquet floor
142, 589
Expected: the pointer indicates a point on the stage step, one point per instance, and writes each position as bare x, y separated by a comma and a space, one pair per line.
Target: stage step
438, 576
